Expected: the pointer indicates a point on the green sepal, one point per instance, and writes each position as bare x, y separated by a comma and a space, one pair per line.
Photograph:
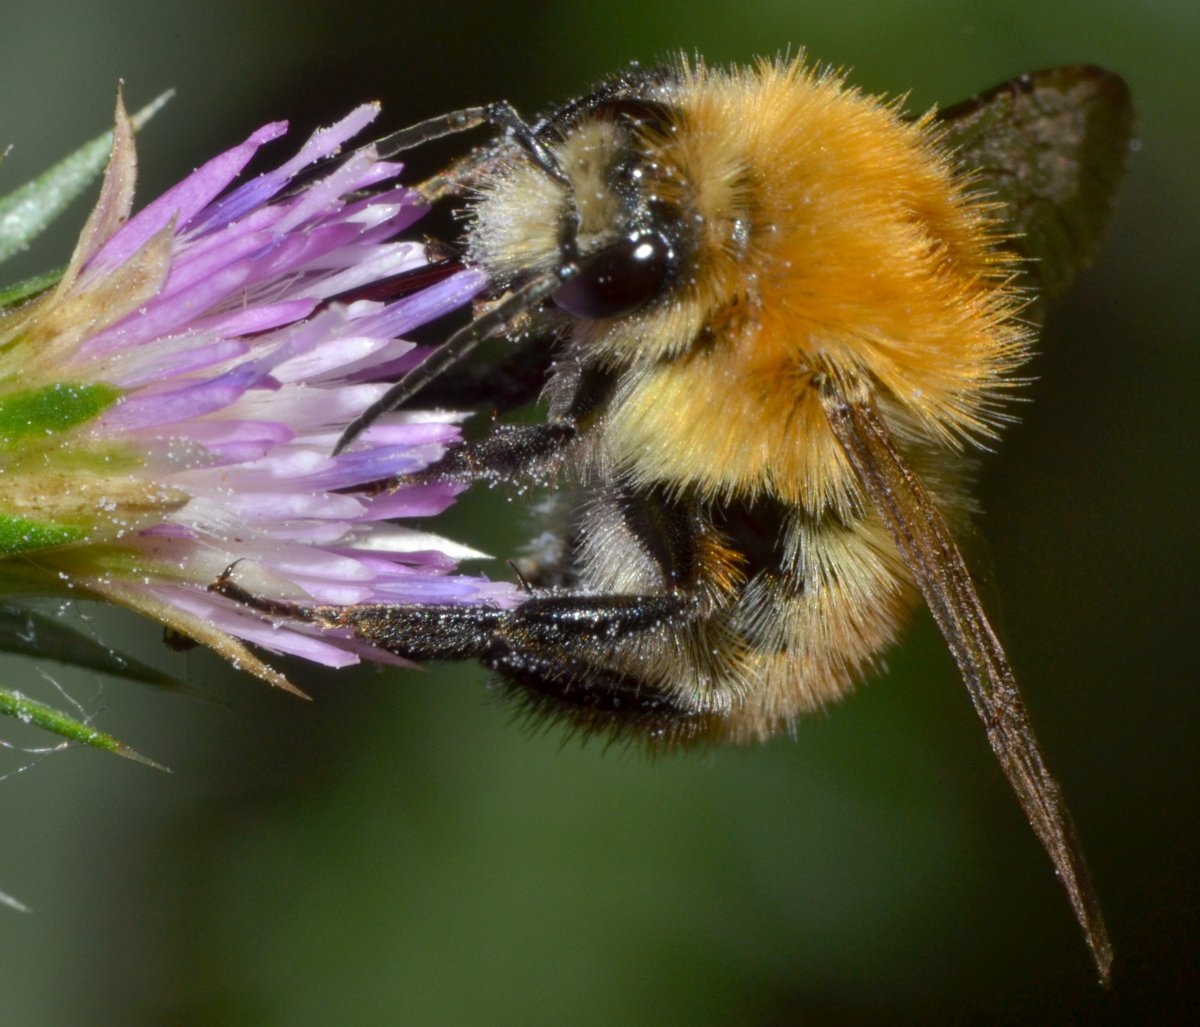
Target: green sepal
28, 210
22, 534
1051, 146
28, 711
51, 409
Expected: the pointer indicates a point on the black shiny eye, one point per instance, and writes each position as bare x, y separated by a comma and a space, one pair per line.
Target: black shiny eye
618, 279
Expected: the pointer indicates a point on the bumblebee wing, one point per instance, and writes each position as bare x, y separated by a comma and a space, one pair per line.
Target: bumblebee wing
1052, 147
924, 541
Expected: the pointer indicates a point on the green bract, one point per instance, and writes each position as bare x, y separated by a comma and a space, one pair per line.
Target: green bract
27, 211
51, 409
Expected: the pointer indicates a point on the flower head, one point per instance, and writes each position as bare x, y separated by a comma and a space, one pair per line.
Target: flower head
171, 405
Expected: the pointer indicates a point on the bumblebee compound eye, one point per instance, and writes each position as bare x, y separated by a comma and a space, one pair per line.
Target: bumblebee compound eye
619, 279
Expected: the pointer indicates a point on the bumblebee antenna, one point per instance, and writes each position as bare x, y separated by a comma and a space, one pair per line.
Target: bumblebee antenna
451, 352
502, 114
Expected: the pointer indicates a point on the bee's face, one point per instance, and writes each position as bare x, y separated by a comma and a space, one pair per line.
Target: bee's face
604, 228
647, 240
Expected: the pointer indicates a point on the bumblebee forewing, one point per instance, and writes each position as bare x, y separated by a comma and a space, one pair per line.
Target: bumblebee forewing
929, 551
1050, 147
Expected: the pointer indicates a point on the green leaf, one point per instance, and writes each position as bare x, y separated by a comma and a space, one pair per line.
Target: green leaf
1052, 146
8, 900
28, 711
27, 211
27, 632
42, 636
52, 409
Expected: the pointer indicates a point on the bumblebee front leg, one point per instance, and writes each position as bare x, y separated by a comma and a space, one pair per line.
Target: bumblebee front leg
513, 381
461, 176
516, 453
501, 114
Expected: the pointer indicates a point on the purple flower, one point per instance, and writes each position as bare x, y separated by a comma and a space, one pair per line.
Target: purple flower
189, 376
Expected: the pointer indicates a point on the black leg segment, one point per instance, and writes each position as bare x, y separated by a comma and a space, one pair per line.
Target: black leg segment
550, 684
510, 452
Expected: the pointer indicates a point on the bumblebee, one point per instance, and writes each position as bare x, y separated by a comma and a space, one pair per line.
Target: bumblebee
769, 316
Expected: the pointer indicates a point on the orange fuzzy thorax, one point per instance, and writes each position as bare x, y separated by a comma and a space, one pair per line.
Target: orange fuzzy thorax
835, 239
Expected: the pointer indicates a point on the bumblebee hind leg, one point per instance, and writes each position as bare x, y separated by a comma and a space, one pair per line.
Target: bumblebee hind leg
556, 655
547, 683
560, 656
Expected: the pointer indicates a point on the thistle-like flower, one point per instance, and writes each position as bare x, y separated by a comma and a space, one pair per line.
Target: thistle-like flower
170, 405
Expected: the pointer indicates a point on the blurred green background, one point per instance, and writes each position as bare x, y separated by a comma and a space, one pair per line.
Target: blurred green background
399, 851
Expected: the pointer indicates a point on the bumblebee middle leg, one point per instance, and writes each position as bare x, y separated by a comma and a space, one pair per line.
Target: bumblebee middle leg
509, 452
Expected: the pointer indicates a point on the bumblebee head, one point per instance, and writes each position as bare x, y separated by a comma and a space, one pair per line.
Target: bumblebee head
639, 220
601, 225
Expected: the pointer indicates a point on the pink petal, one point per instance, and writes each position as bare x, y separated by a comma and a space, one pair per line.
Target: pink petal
322, 143
183, 201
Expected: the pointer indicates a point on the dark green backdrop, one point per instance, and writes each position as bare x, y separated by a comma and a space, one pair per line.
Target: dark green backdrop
397, 851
